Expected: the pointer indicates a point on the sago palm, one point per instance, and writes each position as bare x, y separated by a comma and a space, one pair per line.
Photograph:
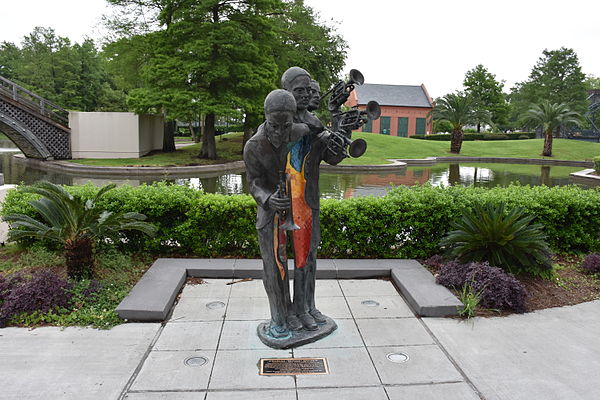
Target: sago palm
549, 117
73, 222
459, 110
506, 240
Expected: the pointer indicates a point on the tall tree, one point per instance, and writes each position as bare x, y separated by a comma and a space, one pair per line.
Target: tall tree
549, 117
557, 78
487, 94
458, 109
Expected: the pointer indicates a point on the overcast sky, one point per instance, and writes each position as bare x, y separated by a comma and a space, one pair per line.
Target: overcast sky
396, 42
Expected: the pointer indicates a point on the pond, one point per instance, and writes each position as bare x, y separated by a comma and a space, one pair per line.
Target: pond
333, 185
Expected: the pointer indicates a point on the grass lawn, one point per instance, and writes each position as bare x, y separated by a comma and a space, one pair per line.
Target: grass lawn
382, 147
229, 148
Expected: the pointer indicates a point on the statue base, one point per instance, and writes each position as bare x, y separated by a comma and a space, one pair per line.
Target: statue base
296, 338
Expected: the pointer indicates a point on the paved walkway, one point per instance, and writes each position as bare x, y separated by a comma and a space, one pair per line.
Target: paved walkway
552, 354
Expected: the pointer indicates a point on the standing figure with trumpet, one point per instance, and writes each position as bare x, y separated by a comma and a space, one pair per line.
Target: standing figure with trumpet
297, 192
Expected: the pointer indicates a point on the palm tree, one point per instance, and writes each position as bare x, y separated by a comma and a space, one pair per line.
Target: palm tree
549, 117
73, 222
458, 109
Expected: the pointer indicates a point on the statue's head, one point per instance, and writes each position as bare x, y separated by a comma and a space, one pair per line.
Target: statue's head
315, 95
297, 81
280, 107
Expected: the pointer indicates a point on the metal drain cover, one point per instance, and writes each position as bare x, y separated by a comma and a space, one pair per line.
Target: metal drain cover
195, 361
397, 357
215, 304
370, 303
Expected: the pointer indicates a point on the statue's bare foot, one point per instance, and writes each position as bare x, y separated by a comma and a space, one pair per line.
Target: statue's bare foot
294, 323
308, 322
316, 314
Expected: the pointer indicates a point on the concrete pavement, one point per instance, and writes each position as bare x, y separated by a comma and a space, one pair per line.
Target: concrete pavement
550, 354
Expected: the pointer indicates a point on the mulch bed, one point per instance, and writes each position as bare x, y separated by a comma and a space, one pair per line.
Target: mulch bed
572, 285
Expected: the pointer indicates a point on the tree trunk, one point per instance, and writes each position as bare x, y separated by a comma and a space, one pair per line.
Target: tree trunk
250, 125
547, 144
169, 136
192, 132
545, 175
478, 127
456, 142
79, 257
209, 145
454, 174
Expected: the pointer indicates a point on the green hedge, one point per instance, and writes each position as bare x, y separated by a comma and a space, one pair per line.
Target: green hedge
479, 136
407, 223
597, 164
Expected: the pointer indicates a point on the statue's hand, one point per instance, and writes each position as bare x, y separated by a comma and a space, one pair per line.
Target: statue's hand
279, 203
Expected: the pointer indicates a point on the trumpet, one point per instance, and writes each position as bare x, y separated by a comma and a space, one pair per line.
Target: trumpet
341, 90
286, 215
338, 141
354, 119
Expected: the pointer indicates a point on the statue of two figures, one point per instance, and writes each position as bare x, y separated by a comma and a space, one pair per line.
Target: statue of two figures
282, 166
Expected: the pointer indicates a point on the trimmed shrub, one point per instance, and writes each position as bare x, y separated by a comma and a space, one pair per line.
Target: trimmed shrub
479, 136
496, 136
524, 137
42, 292
591, 263
407, 223
597, 164
497, 289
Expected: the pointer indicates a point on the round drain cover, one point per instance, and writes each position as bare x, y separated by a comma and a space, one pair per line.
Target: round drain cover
195, 361
215, 304
397, 357
369, 303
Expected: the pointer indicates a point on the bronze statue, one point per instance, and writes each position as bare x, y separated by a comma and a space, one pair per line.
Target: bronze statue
282, 162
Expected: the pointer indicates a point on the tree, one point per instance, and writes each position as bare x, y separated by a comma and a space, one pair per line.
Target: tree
458, 109
74, 223
487, 94
557, 78
549, 117
71, 75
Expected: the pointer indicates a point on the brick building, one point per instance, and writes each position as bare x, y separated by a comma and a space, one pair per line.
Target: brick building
404, 108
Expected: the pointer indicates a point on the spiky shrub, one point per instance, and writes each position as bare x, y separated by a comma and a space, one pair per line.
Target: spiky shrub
506, 240
75, 223
494, 287
591, 263
43, 291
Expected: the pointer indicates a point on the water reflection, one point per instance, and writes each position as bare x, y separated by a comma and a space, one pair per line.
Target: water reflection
338, 185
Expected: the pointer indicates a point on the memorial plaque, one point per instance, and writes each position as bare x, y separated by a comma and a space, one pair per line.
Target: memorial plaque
293, 366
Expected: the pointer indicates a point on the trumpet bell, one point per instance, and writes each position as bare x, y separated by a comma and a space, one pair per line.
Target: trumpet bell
357, 148
373, 110
356, 77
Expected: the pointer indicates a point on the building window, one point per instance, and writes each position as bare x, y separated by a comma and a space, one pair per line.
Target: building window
368, 127
420, 126
384, 125
403, 126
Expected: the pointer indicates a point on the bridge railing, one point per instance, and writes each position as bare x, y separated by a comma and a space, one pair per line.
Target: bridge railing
34, 101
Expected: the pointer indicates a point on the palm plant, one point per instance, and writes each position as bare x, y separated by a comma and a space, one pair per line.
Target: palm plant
549, 117
458, 109
75, 223
505, 240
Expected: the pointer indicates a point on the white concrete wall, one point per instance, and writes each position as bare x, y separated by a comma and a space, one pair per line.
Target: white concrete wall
114, 134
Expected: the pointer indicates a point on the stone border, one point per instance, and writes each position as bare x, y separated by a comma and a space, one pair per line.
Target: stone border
152, 298
238, 166
586, 176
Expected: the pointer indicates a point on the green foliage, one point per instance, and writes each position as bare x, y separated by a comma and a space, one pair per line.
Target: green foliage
487, 94
556, 78
407, 223
506, 240
73, 76
597, 164
442, 126
549, 117
470, 299
74, 223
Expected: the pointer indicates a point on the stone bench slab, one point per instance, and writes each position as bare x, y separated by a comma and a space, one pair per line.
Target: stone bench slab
153, 296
